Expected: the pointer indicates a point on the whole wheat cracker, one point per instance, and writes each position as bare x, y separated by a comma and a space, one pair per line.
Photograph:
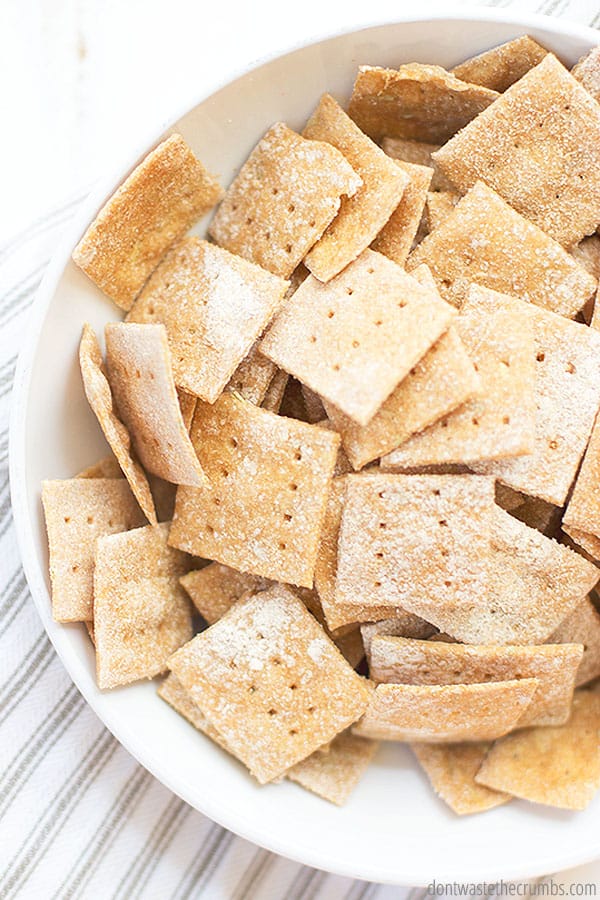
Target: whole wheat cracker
269, 480
173, 692
441, 381
484, 241
334, 775
405, 661
583, 509
271, 682
501, 66
438, 206
78, 511
585, 542
446, 713
408, 537
451, 769
107, 467
534, 582
285, 195
567, 396
406, 625
214, 306
215, 588
164, 195
138, 363
362, 216
353, 339
396, 238
546, 127
141, 613
253, 376
419, 102
582, 626
499, 420
419, 153
587, 254
587, 72
99, 396
555, 766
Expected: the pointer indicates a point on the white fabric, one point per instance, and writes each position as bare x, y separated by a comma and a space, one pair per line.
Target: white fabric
79, 818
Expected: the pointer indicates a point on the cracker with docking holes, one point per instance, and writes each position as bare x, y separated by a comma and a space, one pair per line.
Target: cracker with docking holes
484, 241
214, 306
269, 480
556, 766
271, 682
538, 146
362, 216
285, 195
141, 613
451, 769
501, 66
78, 511
399, 660
138, 363
445, 713
419, 102
99, 396
499, 420
167, 192
408, 537
355, 338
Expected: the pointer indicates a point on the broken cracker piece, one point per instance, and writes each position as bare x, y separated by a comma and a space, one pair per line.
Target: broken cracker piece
501, 66
164, 195
253, 376
78, 511
334, 775
282, 200
446, 713
555, 766
362, 216
215, 588
141, 613
99, 395
260, 513
451, 769
271, 682
420, 102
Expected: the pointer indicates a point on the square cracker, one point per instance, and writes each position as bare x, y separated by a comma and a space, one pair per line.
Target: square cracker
262, 511
355, 338
396, 238
99, 396
483, 240
405, 661
420, 102
138, 364
78, 511
567, 396
173, 692
334, 775
141, 613
499, 420
501, 66
164, 195
587, 72
546, 127
253, 376
362, 216
445, 713
583, 509
418, 153
408, 537
582, 626
271, 682
215, 588
284, 197
555, 766
214, 306
451, 769
534, 582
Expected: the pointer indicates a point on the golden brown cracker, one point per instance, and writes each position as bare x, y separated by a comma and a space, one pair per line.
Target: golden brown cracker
353, 339
451, 769
269, 481
164, 195
397, 236
172, 692
282, 200
582, 626
587, 72
419, 102
107, 467
405, 625
187, 405
274, 396
271, 682
418, 153
253, 376
334, 775
215, 588
587, 254
583, 509
438, 206
501, 66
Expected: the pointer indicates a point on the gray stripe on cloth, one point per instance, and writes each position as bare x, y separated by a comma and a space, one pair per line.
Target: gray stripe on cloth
39, 656
259, 865
206, 867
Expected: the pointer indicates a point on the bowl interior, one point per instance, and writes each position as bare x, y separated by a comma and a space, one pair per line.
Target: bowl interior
393, 829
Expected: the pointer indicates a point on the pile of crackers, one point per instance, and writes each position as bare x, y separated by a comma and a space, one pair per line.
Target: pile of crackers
354, 485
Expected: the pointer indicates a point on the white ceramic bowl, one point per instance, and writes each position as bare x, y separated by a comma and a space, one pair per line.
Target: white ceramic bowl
393, 829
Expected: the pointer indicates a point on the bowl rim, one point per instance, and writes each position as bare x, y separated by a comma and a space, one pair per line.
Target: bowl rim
266, 838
